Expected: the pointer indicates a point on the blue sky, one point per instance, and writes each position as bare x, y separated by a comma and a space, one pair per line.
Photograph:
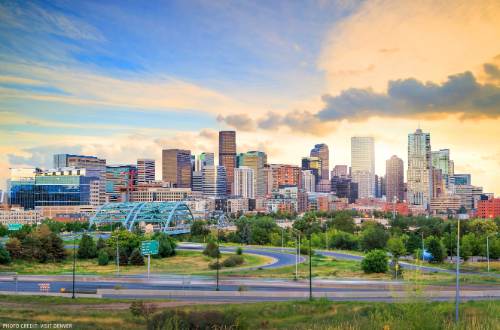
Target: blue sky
125, 78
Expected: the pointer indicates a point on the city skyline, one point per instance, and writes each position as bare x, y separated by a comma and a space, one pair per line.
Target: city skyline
85, 82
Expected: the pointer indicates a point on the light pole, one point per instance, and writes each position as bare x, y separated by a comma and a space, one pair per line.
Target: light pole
74, 266
488, 251
457, 289
282, 230
218, 256
117, 257
296, 257
310, 270
423, 248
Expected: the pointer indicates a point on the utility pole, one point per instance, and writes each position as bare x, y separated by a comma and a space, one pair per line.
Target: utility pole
488, 251
296, 258
423, 248
282, 229
117, 257
218, 256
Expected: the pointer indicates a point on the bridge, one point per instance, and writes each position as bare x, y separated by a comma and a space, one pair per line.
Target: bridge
168, 217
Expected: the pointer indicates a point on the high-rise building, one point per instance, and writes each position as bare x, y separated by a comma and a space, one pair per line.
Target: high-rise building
363, 165
441, 161
321, 151
176, 167
343, 187
419, 177
121, 180
308, 181
438, 183
460, 179
91, 164
313, 164
394, 179
145, 170
204, 159
340, 171
244, 184
488, 208
379, 186
214, 181
255, 160
227, 155
285, 175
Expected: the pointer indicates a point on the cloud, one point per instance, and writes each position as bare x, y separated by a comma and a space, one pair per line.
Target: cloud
424, 39
492, 70
30, 17
41, 156
459, 94
241, 122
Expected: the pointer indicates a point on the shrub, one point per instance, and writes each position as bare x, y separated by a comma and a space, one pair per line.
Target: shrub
101, 244
373, 237
212, 250
233, 261
103, 258
344, 241
435, 247
136, 258
215, 265
178, 319
140, 309
239, 251
4, 256
304, 250
375, 262
13, 245
123, 257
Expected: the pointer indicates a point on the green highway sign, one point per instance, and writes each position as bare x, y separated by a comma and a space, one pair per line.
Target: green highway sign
14, 226
149, 247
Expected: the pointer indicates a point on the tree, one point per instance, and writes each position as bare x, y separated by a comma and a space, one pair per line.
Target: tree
166, 246
123, 257
344, 241
87, 248
435, 248
136, 258
3, 230
101, 244
375, 262
4, 256
212, 250
13, 245
199, 228
396, 247
342, 221
239, 251
374, 236
103, 258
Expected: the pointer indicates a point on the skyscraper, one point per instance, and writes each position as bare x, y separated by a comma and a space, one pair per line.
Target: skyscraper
321, 151
313, 164
214, 181
308, 181
394, 176
363, 165
204, 159
419, 175
145, 170
340, 171
441, 161
255, 160
176, 167
244, 182
120, 181
227, 155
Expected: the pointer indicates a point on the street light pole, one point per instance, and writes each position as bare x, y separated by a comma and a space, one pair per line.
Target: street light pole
310, 270
423, 248
74, 266
218, 255
457, 289
296, 257
117, 257
282, 229
488, 251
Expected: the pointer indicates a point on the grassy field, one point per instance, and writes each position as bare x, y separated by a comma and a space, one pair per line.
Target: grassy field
185, 262
319, 314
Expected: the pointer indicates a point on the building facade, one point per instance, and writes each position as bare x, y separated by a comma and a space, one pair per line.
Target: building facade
176, 167
363, 165
394, 179
145, 170
214, 181
256, 160
244, 184
121, 180
227, 156
419, 177
321, 151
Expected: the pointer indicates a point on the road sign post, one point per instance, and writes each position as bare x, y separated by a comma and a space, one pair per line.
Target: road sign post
147, 249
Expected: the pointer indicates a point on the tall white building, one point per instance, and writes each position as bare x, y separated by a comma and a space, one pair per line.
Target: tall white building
419, 176
363, 165
308, 181
145, 170
244, 184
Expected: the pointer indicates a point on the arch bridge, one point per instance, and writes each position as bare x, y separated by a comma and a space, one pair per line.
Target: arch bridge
168, 217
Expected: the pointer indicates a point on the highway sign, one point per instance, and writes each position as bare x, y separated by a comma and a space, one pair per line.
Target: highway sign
149, 247
14, 226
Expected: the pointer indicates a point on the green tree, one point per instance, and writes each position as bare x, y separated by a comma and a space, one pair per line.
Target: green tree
103, 258
13, 245
435, 248
199, 228
4, 256
3, 230
375, 262
373, 236
87, 248
101, 244
344, 241
166, 245
342, 221
136, 258
396, 247
123, 257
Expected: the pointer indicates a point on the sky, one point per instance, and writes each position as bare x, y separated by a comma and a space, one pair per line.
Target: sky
125, 79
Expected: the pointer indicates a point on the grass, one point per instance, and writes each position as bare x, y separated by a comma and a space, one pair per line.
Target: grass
185, 262
318, 314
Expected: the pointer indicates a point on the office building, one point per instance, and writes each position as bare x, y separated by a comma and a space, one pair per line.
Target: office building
394, 179
460, 179
441, 161
308, 181
343, 187
363, 165
340, 171
312, 164
419, 177
227, 156
488, 208
21, 187
256, 160
177, 168
321, 151
214, 181
204, 159
145, 170
121, 180
285, 175
244, 183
